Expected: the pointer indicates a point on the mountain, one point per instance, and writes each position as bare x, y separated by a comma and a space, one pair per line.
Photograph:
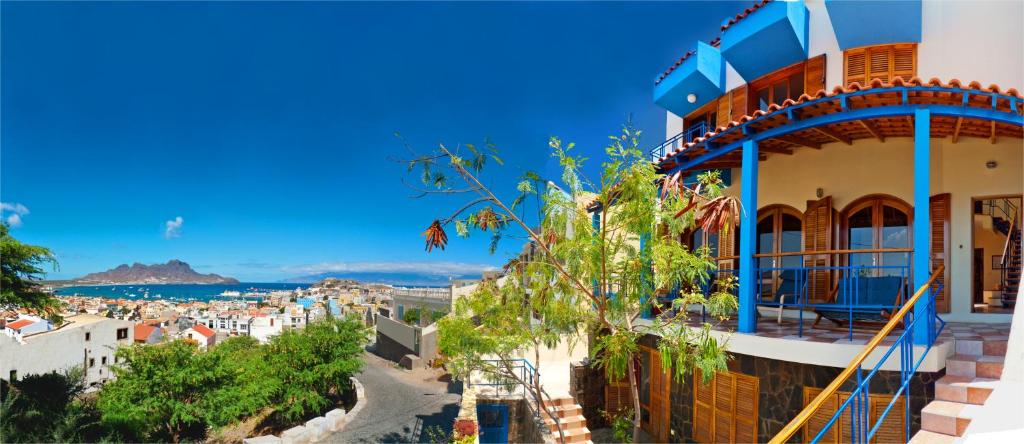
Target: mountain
173, 272
379, 277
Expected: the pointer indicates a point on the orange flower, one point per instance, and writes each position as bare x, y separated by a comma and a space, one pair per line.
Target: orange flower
436, 237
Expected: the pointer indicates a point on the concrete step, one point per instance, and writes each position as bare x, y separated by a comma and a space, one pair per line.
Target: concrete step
565, 411
963, 389
994, 347
570, 422
975, 366
575, 435
926, 437
948, 418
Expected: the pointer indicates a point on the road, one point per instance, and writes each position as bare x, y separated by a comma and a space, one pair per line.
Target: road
401, 406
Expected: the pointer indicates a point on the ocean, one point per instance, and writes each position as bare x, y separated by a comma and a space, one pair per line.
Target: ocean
179, 292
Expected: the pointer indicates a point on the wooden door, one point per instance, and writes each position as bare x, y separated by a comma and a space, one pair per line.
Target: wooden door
658, 404
818, 237
725, 410
939, 207
979, 276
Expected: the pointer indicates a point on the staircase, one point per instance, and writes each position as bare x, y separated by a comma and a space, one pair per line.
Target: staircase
574, 425
970, 375
1011, 269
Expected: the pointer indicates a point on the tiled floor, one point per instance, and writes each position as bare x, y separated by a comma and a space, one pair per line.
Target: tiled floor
828, 332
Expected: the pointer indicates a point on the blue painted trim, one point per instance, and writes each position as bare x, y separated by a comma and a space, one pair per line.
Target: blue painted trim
922, 215
748, 238
702, 74
846, 116
770, 38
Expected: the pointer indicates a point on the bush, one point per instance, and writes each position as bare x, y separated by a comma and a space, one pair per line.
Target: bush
48, 408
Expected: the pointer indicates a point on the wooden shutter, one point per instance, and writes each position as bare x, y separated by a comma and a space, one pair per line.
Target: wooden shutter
739, 103
939, 207
855, 67
814, 75
893, 428
818, 237
726, 248
747, 390
820, 417
703, 408
660, 386
725, 407
879, 64
724, 106
617, 396
904, 61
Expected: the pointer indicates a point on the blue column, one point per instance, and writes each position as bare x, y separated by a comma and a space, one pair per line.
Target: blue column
748, 237
922, 218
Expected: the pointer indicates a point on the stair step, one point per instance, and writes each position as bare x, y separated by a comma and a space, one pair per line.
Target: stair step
560, 401
574, 435
926, 437
963, 389
994, 347
565, 411
949, 418
975, 366
570, 422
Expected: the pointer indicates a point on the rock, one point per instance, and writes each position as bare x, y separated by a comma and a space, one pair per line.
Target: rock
295, 435
335, 419
317, 428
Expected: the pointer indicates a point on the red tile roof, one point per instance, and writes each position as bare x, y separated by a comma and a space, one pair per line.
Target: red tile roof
142, 331
20, 323
744, 14
203, 330
716, 41
854, 87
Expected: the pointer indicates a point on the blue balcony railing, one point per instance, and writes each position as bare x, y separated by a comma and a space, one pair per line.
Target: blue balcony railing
686, 136
503, 373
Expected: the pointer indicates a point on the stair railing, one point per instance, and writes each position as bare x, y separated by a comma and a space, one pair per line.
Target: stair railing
1008, 243
857, 405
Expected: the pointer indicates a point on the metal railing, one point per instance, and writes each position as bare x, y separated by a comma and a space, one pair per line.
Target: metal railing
685, 136
521, 368
857, 404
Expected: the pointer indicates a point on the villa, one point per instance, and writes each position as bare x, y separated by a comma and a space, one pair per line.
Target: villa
862, 186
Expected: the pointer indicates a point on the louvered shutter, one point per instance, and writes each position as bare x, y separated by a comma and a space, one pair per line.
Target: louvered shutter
855, 67
939, 207
703, 408
617, 396
726, 248
820, 418
904, 61
893, 428
660, 385
739, 103
724, 106
879, 64
746, 408
818, 237
725, 400
814, 75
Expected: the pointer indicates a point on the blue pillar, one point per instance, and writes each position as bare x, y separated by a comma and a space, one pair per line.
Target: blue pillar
922, 218
748, 238
595, 222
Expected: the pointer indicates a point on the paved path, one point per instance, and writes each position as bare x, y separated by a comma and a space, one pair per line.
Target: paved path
401, 405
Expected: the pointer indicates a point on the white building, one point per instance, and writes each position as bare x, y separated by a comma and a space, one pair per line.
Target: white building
202, 335
26, 325
84, 340
264, 327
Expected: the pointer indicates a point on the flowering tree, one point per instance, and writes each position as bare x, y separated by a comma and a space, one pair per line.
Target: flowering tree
585, 277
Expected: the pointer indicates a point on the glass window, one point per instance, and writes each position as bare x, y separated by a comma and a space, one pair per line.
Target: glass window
763, 99
895, 234
790, 240
796, 86
861, 237
766, 240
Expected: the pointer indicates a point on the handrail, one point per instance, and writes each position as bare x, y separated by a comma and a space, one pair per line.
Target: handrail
801, 418
1006, 245
822, 253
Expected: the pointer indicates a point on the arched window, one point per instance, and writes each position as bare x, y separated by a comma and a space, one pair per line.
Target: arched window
878, 222
779, 230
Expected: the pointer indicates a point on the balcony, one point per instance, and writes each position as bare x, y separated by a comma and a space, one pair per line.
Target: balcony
869, 23
677, 141
695, 81
766, 39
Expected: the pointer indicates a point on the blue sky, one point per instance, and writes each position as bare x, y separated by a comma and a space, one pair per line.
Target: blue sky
253, 140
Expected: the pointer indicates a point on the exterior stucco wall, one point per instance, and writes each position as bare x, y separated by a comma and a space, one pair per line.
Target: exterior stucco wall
868, 166
972, 40
66, 347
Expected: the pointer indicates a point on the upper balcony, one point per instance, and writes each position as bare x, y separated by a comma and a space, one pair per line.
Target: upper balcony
696, 79
870, 23
766, 37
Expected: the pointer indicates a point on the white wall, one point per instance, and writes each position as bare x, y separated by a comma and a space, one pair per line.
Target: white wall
823, 41
66, 347
973, 40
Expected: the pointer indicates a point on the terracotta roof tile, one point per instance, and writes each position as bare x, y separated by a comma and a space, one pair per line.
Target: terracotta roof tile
853, 87
142, 331
744, 14
203, 330
717, 40
20, 323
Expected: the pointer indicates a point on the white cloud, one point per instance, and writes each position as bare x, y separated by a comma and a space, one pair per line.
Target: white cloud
426, 268
172, 227
15, 211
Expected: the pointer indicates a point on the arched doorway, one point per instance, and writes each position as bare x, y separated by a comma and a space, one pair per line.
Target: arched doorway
779, 230
878, 221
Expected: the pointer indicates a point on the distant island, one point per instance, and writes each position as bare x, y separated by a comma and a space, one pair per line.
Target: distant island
173, 272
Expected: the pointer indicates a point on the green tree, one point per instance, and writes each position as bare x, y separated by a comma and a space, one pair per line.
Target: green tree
585, 274
314, 364
21, 267
48, 408
172, 392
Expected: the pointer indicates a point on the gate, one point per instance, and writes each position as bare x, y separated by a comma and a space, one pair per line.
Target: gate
493, 420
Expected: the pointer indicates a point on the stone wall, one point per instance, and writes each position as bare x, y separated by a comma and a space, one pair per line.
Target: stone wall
586, 385
320, 428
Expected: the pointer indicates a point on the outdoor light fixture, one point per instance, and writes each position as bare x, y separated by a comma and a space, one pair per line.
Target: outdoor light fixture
820, 192
991, 164
691, 97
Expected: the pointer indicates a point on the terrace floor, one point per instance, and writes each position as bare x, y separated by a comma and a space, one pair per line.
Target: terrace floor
827, 332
